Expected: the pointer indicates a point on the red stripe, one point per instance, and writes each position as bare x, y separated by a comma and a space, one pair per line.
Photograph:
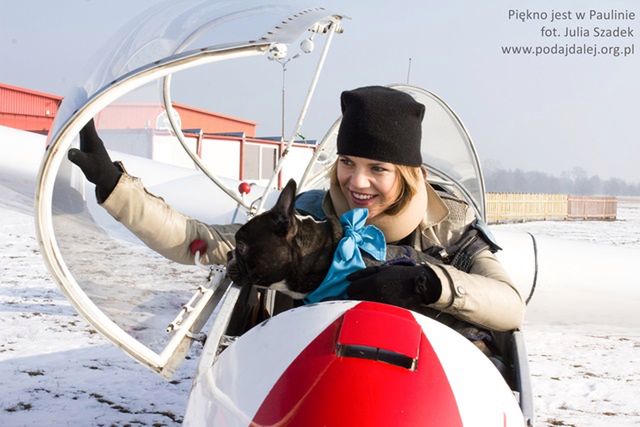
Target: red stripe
321, 389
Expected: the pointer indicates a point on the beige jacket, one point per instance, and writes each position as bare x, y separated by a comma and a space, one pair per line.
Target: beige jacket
485, 296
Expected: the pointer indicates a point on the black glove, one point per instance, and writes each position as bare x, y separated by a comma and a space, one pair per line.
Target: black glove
402, 285
95, 162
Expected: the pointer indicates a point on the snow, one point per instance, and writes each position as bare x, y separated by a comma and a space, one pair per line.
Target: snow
582, 328
584, 375
56, 370
578, 280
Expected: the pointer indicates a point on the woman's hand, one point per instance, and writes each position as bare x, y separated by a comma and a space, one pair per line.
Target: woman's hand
94, 161
402, 285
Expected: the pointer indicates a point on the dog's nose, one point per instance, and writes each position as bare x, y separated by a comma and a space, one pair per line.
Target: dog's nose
233, 270
232, 263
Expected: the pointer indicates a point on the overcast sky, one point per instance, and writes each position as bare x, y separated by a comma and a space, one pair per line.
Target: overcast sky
548, 112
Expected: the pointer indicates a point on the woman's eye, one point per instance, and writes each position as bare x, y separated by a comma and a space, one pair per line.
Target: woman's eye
346, 162
378, 169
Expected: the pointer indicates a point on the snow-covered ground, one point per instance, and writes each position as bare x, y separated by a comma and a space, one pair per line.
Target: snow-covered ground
588, 374
56, 370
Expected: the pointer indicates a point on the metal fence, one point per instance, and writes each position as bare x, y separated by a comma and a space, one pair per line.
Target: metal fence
520, 207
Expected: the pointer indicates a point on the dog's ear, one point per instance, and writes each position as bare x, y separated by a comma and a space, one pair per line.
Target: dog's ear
286, 200
284, 209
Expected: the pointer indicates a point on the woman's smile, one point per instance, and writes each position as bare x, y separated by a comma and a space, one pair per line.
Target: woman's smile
361, 198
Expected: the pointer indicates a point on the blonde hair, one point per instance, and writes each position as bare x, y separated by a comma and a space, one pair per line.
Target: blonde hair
410, 177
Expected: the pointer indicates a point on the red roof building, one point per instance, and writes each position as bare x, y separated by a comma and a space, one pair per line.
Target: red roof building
27, 109
34, 111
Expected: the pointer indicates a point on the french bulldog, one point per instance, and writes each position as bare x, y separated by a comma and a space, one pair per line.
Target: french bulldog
289, 252
281, 249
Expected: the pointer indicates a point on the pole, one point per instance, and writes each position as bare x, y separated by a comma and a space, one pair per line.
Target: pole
314, 82
284, 70
409, 71
281, 146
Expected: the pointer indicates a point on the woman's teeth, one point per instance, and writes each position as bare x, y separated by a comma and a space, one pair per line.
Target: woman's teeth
360, 196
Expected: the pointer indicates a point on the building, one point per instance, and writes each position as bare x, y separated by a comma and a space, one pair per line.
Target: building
226, 145
34, 111
27, 109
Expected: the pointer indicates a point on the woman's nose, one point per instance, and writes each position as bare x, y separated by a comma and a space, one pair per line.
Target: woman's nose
359, 180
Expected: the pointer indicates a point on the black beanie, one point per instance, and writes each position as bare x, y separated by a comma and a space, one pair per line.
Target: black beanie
382, 124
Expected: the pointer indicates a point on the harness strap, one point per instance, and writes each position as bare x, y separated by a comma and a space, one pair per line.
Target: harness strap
462, 253
310, 203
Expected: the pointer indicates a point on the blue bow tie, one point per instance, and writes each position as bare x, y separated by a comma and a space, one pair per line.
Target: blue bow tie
347, 257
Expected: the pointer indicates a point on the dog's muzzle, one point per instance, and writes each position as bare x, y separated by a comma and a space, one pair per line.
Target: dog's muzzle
235, 269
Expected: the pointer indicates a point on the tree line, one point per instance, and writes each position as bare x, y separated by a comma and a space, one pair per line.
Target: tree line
576, 181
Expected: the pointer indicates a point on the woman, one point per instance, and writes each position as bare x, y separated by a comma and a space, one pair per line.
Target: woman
379, 168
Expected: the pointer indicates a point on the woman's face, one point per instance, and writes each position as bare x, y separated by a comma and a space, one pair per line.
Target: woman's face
367, 183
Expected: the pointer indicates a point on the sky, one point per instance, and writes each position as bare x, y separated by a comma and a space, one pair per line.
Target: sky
548, 112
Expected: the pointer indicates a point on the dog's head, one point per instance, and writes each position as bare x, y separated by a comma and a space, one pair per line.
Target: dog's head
264, 245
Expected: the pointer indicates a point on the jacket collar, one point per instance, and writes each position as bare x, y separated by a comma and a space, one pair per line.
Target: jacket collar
437, 210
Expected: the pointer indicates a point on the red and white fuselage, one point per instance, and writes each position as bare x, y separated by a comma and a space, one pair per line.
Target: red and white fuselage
348, 363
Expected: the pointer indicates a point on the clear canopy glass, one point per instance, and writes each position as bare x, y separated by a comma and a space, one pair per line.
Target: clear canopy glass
127, 291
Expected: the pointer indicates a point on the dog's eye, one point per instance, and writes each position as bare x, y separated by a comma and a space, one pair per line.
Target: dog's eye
242, 248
